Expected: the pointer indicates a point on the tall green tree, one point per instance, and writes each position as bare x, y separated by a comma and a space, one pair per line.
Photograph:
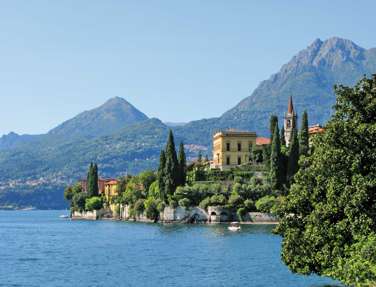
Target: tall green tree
282, 136
162, 175
304, 136
293, 160
328, 220
273, 123
90, 181
275, 172
95, 190
182, 165
172, 166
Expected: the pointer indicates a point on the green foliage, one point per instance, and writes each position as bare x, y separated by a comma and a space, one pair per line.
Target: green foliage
79, 201
275, 173
70, 191
182, 161
92, 180
293, 159
154, 190
235, 200
303, 135
139, 206
161, 206
146, 178
205, 203
151, 208
162, 175
249, 205
218, 200
241, 212
282, 137
185, 202
171, 178
266, 203
273, 123
123, 184
329, 220
93, 203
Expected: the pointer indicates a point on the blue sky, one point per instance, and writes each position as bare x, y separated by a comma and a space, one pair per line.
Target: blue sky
175, 60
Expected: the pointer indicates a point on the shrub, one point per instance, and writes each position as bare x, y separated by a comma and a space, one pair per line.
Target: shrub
249, 204
266, 203
218, 199
139, 206
79, 200
172, 203
241, 212
184, 202
151, 209
93, 203
205, 203
161, 206
235, 200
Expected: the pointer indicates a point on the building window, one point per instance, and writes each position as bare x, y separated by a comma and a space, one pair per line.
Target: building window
227, 146
239, 160
250, 147
227, 160
218, 157
239, 147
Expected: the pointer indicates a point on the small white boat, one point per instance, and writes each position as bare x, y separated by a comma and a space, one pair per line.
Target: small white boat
234, 226
64, 216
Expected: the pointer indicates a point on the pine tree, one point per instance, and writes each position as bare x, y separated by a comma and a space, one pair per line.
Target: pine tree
275, 173
182, 165
92, 180
162, 175
282, 137
292, 165
172, 166
304, 136
273, 124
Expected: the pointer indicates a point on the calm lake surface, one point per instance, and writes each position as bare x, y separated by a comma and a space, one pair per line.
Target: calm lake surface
37, 248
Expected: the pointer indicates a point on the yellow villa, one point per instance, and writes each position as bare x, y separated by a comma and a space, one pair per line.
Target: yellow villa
232, 148
111, 189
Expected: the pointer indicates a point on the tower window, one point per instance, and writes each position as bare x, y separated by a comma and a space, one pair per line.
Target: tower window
227, 146
239, 146
239, 160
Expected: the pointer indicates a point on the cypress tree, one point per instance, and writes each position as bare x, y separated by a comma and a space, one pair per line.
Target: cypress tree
293, 165
92, 180
199, 158
182, 165
273, 124
282, 137
172, 166
162, 175
275, 173
304, 136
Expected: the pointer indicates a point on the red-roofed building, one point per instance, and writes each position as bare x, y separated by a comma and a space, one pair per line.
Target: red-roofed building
315, 129
261, 141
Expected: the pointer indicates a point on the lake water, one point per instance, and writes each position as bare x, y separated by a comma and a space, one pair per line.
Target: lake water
37, 248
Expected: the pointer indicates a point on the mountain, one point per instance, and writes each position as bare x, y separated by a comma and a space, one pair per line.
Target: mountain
112, 116
309, 77
123, 140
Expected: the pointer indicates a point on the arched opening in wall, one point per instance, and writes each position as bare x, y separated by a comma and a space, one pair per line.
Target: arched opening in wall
213, 216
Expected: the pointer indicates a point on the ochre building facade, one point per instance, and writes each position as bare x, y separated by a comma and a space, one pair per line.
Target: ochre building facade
232, 148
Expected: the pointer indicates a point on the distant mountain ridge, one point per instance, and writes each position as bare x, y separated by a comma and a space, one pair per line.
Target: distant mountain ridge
121, 139
110, 117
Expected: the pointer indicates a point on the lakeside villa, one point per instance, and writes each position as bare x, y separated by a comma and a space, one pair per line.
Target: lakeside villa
232, 149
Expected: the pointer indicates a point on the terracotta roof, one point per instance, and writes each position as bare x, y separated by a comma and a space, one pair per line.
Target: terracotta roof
262, 141
290, 108
112, 182
316, 129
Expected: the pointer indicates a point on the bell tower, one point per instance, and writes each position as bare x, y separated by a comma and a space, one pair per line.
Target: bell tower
289, 121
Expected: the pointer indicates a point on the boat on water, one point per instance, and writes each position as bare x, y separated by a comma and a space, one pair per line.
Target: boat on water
234, 226
64, 216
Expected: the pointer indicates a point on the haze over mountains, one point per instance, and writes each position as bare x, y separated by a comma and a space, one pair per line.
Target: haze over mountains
35, 169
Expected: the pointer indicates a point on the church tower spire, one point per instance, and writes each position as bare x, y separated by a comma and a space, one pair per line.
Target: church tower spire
289, 121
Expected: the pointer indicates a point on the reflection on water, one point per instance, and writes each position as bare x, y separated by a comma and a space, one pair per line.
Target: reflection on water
38, 248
